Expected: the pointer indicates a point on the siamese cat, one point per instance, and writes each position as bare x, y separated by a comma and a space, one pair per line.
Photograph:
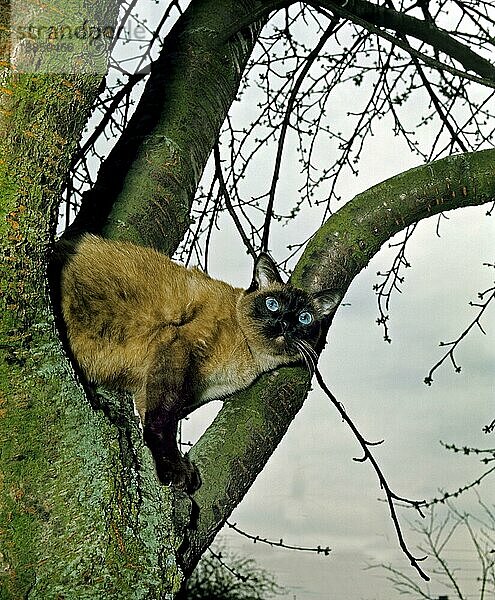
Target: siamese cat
176, 338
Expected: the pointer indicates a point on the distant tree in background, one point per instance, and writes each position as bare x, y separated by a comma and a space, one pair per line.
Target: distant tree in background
226, 576
449, 535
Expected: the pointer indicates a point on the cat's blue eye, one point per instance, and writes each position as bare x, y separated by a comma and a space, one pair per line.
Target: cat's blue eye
305, 318
272, 304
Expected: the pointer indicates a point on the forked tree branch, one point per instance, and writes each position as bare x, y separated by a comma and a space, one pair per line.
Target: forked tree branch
168, 157
486, 298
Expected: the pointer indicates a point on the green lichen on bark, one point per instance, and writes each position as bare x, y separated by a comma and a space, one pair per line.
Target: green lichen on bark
81, 512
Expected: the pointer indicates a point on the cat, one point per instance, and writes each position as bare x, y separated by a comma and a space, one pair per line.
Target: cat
176, 338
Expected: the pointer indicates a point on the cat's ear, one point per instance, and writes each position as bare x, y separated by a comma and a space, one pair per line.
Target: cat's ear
265, 273
327, 300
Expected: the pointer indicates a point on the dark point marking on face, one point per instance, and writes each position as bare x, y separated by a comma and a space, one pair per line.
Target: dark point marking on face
285, 320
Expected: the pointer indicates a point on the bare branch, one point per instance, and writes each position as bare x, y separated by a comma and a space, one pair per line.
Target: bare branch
392, 280
372, 17
228, 202
391, 497
425, 31
285, 123
280, 544
476, 322
237, 444
455, 494
489, 456
438, 539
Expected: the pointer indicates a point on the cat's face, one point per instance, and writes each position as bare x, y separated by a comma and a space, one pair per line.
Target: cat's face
284, 319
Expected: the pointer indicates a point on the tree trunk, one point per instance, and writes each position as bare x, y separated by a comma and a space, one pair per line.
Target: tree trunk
82, 511
79, 518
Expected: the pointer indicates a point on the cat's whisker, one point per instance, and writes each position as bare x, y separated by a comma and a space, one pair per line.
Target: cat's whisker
307, 353
301, 352
306, 362
313, 357
310, 363
312, 352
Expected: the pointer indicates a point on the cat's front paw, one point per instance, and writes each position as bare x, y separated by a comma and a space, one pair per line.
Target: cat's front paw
181, 473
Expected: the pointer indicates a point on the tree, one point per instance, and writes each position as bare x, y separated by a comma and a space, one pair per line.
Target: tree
238, 578
81, 511
440, 533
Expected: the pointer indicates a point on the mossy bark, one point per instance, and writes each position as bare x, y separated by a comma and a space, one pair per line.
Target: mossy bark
79, 517
82, 513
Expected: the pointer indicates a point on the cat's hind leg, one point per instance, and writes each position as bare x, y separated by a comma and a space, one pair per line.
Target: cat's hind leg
167, 390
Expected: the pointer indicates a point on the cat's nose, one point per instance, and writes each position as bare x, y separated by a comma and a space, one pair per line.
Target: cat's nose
284, 326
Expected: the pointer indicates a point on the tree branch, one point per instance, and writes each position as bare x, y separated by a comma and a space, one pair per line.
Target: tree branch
352, 236
424, 31
163, 150
366, 14
250, 425
441, 43
236, 447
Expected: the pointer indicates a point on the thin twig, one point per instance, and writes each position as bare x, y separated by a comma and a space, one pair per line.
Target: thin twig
228, 202
218, 556
454, 344
313, 55
392, 282
391, 497
280, 544
455, 494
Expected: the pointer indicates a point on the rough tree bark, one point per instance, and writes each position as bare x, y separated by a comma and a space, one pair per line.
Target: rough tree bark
81, 513
81, 510
77, 519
